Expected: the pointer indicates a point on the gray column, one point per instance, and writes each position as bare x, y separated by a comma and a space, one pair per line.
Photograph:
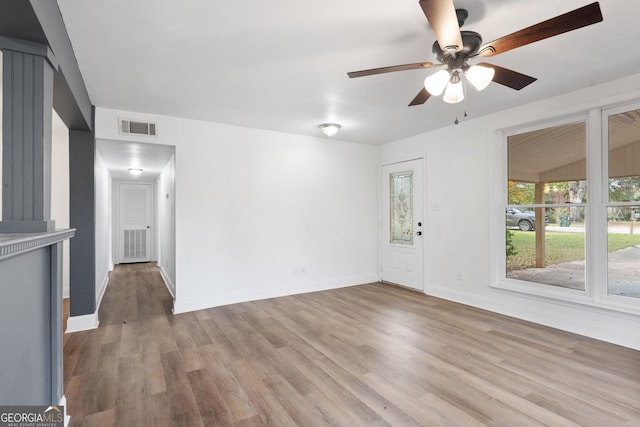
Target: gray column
27, 81
82, 217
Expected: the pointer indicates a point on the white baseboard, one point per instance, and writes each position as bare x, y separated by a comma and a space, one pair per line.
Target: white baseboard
102, 289
89, 321
183, 305
82, 323
63, 403
602, 324
167, 281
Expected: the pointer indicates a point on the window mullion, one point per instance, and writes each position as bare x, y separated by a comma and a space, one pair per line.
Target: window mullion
596, 236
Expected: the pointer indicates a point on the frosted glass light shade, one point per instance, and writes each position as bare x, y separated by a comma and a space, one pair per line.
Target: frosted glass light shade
480, 76
435, 83
135, 171
330, 129
454, 93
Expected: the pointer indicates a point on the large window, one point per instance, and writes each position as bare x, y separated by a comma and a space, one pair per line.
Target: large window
623, 208
546, 199
572, 209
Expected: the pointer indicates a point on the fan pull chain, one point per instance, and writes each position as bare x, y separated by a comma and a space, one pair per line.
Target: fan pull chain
464, 93
465, 96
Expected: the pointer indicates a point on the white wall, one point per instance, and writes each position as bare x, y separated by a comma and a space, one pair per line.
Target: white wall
60, 190
166, 229
460, 203
104, 260
262, 214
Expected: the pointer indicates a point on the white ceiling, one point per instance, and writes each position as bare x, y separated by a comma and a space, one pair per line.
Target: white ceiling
282, 64
119, 157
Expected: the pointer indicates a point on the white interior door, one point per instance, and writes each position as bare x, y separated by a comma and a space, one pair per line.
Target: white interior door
402, 224
134, 222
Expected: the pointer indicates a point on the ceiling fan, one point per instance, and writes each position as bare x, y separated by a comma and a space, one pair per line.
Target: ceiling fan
454, 48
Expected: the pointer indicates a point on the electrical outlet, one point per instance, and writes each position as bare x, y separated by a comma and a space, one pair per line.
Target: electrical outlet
459, 275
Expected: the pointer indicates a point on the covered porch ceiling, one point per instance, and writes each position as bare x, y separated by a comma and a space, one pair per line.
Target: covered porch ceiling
558, 154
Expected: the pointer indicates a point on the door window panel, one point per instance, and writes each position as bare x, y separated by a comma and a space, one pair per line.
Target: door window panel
401, 208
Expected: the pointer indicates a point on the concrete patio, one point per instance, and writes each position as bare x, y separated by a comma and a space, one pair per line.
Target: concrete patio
624, 273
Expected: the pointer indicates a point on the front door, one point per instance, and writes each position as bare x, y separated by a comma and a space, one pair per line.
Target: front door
402, 224
134, 223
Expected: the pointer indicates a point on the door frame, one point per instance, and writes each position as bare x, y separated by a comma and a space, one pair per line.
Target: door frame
117, 219
381, 205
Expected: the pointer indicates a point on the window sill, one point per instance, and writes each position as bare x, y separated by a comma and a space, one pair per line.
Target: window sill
614, 303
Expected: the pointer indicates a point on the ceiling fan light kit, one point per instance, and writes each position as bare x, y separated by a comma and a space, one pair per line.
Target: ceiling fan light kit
480, 76
435, 83
454, 92
454, 49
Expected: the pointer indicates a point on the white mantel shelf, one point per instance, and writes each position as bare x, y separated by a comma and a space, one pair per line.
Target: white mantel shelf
17, 243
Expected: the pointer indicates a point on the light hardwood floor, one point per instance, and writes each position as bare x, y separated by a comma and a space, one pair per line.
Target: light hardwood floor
369, 355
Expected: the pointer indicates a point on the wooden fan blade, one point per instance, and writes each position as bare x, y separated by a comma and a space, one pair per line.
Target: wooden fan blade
509, 78
391, 69
564, 23
420, 98
441, 14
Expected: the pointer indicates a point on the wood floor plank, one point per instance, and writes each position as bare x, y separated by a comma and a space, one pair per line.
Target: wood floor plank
231, 392
105, 380
365, 355
99, 419
183, 405
330, 386
269, 408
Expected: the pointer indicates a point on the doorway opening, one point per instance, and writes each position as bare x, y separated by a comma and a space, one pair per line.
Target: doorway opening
140, 202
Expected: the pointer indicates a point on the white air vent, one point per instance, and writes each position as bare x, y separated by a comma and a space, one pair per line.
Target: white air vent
129, 127
135, 244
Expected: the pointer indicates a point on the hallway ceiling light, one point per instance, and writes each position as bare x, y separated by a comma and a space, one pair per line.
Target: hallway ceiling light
330, 129
135, 171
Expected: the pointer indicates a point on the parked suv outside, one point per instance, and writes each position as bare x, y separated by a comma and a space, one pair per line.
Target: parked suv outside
524, 220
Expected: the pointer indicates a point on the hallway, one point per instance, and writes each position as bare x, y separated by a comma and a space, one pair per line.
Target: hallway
357, 356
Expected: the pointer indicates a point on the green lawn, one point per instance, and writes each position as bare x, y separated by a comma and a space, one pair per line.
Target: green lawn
559, 247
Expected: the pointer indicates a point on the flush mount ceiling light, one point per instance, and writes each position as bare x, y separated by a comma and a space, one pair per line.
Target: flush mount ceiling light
329, 129
135, 171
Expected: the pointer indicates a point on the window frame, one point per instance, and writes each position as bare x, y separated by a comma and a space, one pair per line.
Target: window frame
595, 210
602, 296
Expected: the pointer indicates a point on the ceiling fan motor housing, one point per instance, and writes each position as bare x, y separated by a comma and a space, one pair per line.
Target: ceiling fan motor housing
471, 44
